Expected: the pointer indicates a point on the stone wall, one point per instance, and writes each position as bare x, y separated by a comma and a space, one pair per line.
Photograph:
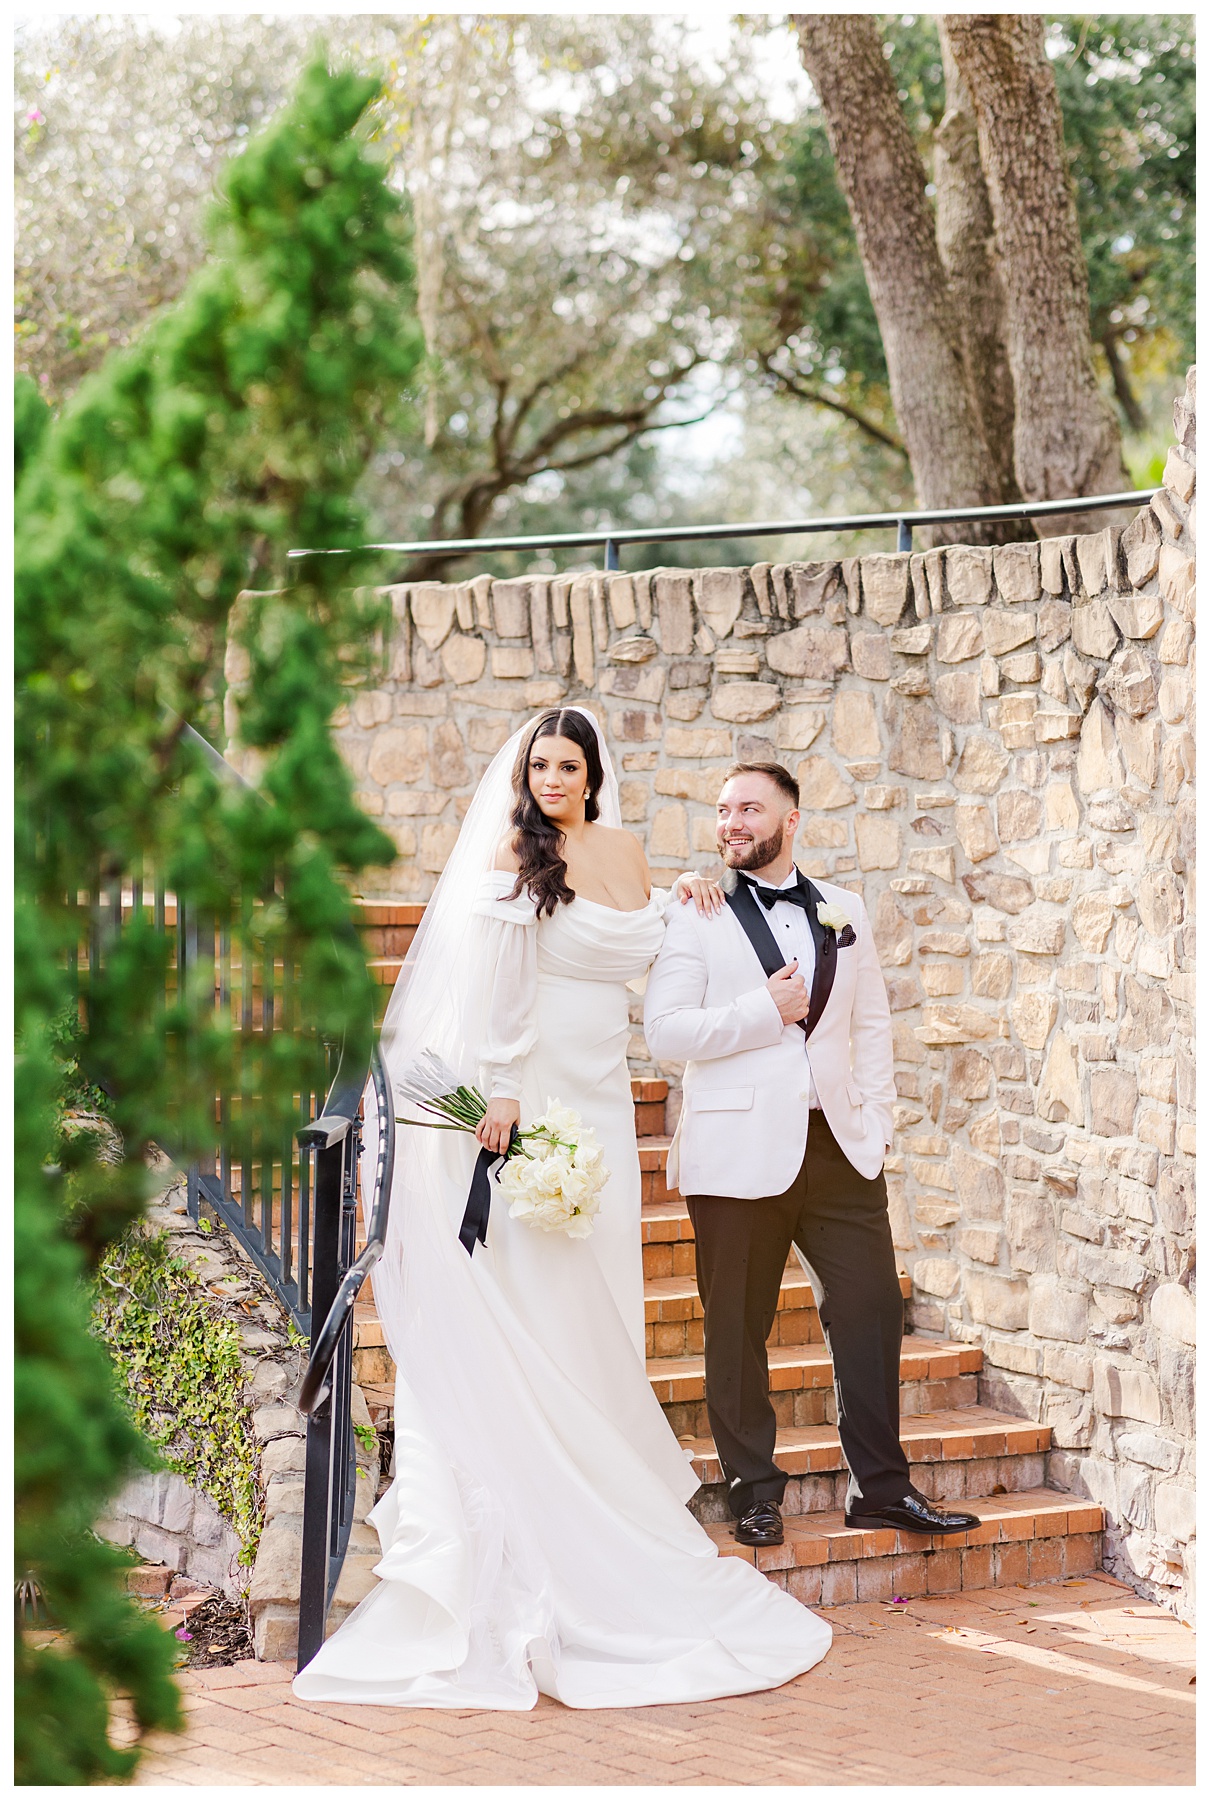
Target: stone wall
995, 748
169, 1522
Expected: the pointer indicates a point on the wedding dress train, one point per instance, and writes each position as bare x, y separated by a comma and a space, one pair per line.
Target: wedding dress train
535, 1538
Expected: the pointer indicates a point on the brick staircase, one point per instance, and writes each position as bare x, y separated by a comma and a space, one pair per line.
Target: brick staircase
387, 928
959, 1450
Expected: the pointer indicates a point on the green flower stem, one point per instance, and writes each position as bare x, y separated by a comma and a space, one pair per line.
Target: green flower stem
431, 1124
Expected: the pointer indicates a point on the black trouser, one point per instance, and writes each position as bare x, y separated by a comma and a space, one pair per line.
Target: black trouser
839, 1221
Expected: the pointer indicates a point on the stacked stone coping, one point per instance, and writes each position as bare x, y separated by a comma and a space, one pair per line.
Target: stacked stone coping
995, 748
168, 1521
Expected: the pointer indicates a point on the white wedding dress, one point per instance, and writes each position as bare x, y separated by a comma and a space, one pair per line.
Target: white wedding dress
535, 1538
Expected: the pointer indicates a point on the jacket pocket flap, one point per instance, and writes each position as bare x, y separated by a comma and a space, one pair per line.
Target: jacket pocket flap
721, 1099
855, 1095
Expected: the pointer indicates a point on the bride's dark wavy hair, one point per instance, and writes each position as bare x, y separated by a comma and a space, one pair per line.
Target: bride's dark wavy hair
539, 844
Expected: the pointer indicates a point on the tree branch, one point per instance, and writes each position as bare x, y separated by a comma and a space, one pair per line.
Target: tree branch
1126, 397
789, 385
474, 500
547, 383
638, 431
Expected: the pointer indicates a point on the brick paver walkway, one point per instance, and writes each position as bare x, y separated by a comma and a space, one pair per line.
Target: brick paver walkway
1078, 1683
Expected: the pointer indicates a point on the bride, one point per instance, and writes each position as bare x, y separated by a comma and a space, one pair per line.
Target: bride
535, 1538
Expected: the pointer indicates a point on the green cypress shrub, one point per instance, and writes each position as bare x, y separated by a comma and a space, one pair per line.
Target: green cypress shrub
234, 428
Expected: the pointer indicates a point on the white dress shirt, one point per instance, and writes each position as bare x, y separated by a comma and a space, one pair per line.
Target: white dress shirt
792, 930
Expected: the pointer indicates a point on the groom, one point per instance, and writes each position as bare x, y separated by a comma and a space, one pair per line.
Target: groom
777, 1007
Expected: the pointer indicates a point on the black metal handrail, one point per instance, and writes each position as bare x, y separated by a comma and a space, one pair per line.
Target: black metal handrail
330, 1479
324, 1135
609, 540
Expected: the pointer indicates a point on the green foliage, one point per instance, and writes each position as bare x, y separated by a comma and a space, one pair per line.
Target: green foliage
181, 1369
1127, 84
178, 476
73, 1446
618, 229
31, 416
76, 1092
838, 341
110, 219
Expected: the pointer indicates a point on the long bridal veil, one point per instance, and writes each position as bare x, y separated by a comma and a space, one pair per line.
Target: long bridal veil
440, 1003
461, 1602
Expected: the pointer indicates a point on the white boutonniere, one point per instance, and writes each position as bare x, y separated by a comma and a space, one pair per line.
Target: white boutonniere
832, 916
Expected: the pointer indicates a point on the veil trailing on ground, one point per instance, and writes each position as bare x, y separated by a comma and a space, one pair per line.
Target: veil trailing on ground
440, 1003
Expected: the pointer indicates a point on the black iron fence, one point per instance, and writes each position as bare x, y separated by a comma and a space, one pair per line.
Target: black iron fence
286, 1188
259, 1185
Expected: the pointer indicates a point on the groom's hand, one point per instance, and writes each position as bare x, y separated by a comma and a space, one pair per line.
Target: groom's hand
789, 992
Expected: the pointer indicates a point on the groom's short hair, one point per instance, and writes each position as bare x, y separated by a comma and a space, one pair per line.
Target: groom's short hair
782, 778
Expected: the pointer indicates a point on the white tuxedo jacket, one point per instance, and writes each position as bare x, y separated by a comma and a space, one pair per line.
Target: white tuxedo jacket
744, 1121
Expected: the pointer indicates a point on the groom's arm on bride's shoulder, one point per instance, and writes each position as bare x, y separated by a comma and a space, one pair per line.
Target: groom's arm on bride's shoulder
870, 1026
678, 1025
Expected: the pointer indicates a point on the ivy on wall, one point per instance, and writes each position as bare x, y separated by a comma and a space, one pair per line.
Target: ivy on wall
182, 1372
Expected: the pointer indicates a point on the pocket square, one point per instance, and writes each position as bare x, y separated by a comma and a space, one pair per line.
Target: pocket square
848, 936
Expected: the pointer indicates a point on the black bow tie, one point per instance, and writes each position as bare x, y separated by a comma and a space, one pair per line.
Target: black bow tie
769, 897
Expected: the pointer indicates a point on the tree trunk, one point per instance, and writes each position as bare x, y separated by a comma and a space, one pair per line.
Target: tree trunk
883, 180
1066, 438
1126, 396
966, 239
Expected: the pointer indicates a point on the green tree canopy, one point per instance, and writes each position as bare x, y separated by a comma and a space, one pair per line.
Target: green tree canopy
620, 225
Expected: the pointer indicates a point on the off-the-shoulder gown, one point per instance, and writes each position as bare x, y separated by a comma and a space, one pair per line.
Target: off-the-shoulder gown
535, 1538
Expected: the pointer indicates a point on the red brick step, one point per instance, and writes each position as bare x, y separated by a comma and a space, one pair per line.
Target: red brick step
950, 1436
934, 1375
953, 1455
1039, 1535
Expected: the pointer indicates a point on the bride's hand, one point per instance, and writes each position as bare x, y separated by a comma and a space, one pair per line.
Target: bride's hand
496, 1125
706, 895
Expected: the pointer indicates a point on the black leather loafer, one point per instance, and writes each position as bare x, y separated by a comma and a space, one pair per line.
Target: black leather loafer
913, 1513
760, 1525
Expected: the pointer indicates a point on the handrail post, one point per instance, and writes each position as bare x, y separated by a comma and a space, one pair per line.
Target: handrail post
321, 1424
903, 540
611, 556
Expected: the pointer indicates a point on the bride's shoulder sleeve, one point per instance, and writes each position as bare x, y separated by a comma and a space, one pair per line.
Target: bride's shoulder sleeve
511, 1029
494, 899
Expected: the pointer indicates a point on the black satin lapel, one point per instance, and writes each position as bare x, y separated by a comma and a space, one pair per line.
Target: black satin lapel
825, 956
748, 911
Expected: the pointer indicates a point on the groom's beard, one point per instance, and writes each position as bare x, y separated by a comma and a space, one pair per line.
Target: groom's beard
754, 855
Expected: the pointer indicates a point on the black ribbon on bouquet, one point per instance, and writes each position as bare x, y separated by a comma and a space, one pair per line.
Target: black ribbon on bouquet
473, 1229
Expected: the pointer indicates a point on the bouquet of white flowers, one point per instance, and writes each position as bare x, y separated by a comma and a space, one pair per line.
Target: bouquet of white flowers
555, 1181
553, 1171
